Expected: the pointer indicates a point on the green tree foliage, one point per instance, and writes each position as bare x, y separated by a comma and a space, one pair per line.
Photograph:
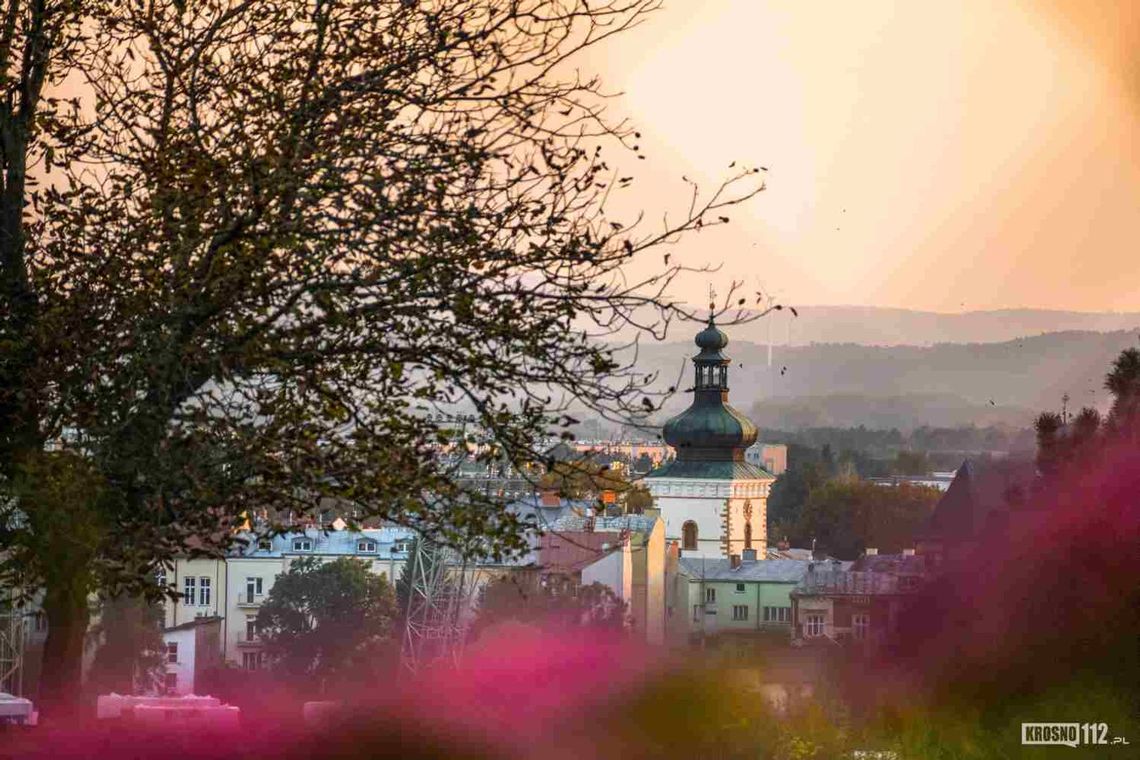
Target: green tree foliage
128, 646
911, 463
582, 478
555, 603
790, 491
884, 444
276, 235
331, 622
847, 515
637, 500
1066, 447
55, 545
1123, 381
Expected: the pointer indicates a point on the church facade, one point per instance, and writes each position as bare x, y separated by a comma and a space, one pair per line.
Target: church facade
713, 501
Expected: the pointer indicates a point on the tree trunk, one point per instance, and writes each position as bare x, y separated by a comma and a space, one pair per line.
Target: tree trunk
62, 671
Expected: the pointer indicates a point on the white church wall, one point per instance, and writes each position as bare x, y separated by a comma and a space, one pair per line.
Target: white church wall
681, 500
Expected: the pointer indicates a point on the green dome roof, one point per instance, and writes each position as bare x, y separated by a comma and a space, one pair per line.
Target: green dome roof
710, 430
711, 338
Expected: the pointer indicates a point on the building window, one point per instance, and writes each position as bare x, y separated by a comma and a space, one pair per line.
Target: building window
251, 629
172, 651
860, 624
171, 682
264, 545
160, 576
188, 587
748, 535
739, 612
402, 546
366, 547
252, 660
253, 589
740, 588
697, 609
777, 614
204, 592
302, 545
813, 626
689, 535
710, 596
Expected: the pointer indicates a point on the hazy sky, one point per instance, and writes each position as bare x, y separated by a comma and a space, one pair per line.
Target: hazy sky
936, 155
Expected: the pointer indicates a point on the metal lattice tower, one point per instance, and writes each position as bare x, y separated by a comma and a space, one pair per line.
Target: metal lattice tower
440, 604
11, 644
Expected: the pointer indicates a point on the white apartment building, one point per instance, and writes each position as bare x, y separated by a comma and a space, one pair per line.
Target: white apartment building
234, 588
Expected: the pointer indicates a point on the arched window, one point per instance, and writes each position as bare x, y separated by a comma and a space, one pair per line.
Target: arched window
748, 535
689, 535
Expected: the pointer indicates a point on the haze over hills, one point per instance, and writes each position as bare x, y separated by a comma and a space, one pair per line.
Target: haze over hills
905, 386
875, 326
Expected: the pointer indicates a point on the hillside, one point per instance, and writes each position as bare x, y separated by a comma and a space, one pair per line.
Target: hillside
906, 386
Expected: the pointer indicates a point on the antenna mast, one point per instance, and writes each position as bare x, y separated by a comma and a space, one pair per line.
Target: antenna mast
439, 608
11, 643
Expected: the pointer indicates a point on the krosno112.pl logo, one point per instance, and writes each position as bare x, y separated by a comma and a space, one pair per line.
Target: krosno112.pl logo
1068, 734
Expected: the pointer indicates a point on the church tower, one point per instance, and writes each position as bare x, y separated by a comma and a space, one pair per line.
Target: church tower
712, 501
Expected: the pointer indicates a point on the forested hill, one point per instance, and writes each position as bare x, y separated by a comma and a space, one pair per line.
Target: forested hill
907, 386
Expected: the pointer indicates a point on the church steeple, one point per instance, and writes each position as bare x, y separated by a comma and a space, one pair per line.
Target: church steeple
713, 501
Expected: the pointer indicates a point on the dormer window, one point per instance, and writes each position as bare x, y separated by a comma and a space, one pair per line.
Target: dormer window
402, 546
366, 547
264, 545
302, 545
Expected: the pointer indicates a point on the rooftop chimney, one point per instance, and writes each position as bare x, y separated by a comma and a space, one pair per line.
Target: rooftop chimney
748, 557
734, 560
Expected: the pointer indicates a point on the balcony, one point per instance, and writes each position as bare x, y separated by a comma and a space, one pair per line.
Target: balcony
249, 642
247, 600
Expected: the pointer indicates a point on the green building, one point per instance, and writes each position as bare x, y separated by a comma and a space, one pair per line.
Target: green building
715, 596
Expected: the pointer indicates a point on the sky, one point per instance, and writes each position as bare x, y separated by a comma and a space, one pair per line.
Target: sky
979, 154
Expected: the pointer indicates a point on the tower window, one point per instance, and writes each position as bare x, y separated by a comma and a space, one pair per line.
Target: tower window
689, 535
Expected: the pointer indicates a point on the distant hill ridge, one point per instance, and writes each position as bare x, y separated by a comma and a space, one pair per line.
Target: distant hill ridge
907, 385
877, 326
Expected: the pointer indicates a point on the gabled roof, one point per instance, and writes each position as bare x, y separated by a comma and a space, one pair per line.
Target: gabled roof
901, 564
975, 494
204, 620
767, 570
573, 523
327, 542
571, 551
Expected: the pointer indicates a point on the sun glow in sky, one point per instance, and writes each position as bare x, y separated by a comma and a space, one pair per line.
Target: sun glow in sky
945, 156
